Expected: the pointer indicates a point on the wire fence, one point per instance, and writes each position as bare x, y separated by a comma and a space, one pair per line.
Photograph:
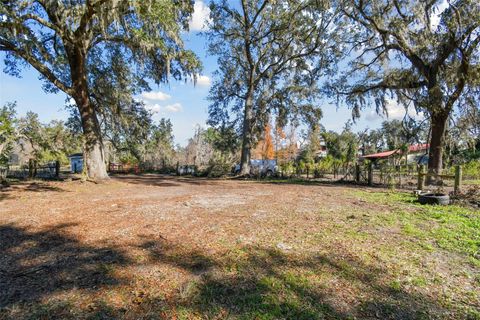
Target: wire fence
411, 177
45, 170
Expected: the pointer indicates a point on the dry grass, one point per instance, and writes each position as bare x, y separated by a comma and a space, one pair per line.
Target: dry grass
155, 247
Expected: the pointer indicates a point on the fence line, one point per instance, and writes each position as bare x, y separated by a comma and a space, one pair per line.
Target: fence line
384, 175
47, 170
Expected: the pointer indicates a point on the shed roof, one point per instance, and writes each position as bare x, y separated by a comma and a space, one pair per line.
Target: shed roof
76, 155
386, 154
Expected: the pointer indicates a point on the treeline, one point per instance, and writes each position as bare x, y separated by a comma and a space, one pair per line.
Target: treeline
136, 141
25, 138
214, 151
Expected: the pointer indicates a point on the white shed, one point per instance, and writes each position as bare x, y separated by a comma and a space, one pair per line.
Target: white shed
76, 162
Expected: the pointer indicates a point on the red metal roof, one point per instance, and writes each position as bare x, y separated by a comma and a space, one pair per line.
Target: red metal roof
418, 147
386, 154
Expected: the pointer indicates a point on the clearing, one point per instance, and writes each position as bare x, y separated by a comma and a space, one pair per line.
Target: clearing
159, 247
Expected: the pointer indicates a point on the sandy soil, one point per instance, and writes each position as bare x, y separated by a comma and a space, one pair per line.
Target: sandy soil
68, 245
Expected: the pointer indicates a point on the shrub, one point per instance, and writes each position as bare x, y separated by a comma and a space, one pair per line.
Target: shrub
470, 170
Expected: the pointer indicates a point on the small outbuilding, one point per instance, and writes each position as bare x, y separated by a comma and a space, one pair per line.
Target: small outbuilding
417, 153
76, 162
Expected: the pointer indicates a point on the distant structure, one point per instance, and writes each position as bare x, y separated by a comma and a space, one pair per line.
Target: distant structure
416, 154
322, 152
76, 162
22, 152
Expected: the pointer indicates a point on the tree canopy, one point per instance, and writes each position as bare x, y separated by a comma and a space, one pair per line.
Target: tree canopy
98, 52
417, 53
7, 131
270, 57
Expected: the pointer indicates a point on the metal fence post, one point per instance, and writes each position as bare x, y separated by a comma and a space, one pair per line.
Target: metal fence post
421, 177
458, 179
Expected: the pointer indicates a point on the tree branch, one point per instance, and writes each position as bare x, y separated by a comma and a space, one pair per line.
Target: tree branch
44, 70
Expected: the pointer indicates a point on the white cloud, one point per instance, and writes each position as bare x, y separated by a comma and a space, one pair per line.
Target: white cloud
156, 96
203, 81
171, 108
176, 107
156, 108
395, 112
200, 16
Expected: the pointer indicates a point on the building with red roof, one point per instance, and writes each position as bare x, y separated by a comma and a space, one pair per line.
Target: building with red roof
416, 154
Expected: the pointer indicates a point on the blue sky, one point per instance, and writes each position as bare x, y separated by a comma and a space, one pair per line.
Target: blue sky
184, 103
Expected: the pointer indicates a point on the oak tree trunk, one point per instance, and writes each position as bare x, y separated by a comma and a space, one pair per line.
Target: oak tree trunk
247, 136
437, 142
93, 149
94, 159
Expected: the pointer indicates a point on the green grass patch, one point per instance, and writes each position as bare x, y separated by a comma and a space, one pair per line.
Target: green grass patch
454, 228
471, 182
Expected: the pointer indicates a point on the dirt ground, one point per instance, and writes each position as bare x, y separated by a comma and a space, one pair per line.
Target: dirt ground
154, 247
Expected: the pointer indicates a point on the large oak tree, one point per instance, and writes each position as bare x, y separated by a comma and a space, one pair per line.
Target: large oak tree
66, 40
417, 52
270, 56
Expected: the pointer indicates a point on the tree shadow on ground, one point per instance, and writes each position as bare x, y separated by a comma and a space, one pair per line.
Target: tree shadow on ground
267, 283
28, 186
35, 265
162, 180
244, 282
4, 194
175, 255
41, 187
325, 183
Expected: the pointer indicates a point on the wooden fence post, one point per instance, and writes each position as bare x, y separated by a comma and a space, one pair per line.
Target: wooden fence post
399, 172
370, 174
30, 168
421, 177
357, 173
57, 168
458, 179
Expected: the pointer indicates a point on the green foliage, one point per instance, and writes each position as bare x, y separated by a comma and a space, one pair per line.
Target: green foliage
470, 170
158, 147
212, 150
48, 142
430, 54
425, 58
223, 139
219, 166
139, 39
399, 134
101, 53
287, 168
326, 164
7, 131
270, 57
128, 158
342, 147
